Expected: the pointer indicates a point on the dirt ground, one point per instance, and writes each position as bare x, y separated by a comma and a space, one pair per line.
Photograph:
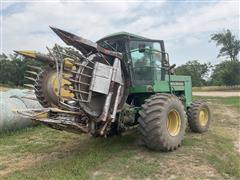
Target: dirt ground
217, 93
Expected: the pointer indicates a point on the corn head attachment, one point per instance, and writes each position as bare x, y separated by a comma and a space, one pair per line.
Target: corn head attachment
81, 91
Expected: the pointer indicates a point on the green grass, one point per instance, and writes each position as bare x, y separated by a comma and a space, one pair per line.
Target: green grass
231, 101
222, 151
60, 155
32, 140
87, 154
217, 88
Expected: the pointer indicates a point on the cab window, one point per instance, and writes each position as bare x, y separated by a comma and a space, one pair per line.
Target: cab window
140, 59
156, 54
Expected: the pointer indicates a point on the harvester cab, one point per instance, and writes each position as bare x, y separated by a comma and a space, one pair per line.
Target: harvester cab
146, 59
121, 82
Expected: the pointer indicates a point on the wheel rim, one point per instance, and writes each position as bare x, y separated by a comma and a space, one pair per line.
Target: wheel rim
203, 117
173, 123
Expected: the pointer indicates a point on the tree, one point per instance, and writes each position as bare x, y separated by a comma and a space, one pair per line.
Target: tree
196, 70
226, 73
13, 69
230, 45
65, 51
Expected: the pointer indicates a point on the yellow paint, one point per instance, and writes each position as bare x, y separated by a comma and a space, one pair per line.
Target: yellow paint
68, 63
173, 123
28, 53
64, 111
14, 110
41, 115
203, 117
64, 92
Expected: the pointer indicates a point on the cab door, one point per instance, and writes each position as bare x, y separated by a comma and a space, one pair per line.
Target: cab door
141, 64
145, 62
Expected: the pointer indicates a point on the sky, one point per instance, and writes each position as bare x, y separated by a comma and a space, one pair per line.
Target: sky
184, 25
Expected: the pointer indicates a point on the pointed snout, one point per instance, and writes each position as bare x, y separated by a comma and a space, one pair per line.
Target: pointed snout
27, 53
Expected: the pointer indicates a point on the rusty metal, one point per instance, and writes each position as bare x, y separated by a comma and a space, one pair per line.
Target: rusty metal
103, 129
113, 115
84, 45
60, 119
104, 115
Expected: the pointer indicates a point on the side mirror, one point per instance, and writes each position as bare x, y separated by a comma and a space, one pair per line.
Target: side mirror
141, 48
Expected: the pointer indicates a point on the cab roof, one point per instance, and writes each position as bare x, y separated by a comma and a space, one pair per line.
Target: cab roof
121, 35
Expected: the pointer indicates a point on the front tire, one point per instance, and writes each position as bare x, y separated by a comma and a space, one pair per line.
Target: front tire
199, 116
162, 122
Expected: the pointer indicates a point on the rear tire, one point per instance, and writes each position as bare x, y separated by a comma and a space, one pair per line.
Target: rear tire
199, 116
162, 122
